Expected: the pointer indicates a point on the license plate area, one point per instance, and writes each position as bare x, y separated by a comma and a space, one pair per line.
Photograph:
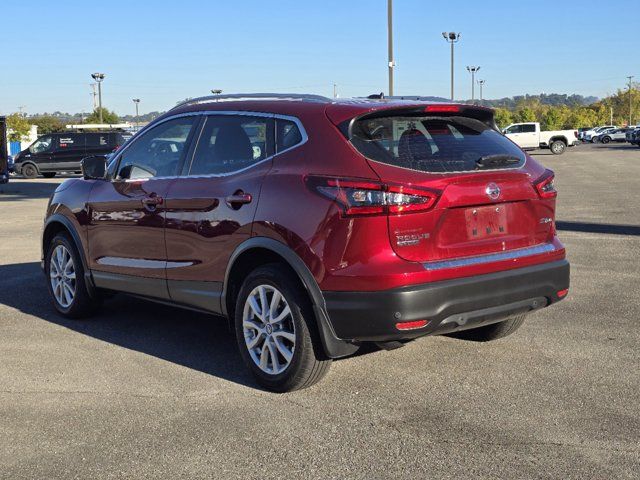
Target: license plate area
484, 222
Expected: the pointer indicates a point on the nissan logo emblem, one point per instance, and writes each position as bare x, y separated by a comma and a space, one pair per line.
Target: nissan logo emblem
492, 191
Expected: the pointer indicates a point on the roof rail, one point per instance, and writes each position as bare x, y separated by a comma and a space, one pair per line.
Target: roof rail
253, 96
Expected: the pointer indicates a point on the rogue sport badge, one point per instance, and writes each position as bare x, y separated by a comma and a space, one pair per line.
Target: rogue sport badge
492, 191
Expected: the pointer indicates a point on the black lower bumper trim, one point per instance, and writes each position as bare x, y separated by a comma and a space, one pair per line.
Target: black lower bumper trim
448, 306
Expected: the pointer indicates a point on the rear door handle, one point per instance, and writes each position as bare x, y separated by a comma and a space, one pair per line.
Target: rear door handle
238, 199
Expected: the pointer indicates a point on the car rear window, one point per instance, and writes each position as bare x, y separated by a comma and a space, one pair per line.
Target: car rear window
435, 144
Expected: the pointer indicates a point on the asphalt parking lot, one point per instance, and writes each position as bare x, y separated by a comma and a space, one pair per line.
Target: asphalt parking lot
149, 391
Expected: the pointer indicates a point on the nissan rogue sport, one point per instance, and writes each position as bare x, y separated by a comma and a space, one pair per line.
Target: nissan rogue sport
314, 226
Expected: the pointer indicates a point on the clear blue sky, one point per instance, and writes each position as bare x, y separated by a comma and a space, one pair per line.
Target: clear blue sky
176, 49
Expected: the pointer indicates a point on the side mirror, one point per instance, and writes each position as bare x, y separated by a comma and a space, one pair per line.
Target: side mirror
94, 168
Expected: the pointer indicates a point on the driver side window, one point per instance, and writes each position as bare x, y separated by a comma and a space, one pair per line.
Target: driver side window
158, 152
43, 144
514, 129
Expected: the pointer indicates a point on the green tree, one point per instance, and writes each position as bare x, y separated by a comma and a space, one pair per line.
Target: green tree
48, 124
554, 118
503, 117
107, 116
18, 126
526, 114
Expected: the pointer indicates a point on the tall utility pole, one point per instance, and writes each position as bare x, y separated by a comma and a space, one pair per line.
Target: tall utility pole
472, 70
99, 77
630, 77
390, 43
451, 37
94, 96
137, 102
335, 91
481, 83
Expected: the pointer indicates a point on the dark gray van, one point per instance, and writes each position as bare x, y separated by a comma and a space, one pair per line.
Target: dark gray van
62, 152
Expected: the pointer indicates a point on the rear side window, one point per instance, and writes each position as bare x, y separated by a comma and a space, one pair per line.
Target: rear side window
435, 144
528, 128
229, 143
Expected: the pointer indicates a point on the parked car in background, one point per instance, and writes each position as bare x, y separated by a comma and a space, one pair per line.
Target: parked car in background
582, 131
529, 136
633, 137
4, 153
589, 134
315, 226
613, 135
62, 152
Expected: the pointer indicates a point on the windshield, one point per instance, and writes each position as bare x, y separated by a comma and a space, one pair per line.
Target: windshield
435, 144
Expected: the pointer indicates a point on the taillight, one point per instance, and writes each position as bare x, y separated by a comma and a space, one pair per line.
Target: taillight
368, 197
544, 185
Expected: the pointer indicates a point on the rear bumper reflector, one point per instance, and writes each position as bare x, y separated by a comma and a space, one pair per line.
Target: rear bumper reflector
492, 257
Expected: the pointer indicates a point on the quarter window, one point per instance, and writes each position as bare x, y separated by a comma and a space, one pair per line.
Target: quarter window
158, 152
287, 134
229, 143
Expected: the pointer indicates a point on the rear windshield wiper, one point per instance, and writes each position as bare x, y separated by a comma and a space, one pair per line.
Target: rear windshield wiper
495, 161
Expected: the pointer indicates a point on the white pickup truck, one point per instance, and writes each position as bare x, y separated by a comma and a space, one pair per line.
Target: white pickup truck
528, 136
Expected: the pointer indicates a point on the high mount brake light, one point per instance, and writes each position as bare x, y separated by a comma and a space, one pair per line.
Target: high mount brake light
366, 197
442, 109
544, 185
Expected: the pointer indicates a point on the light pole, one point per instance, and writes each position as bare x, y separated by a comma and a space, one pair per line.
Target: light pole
137, 101
216, 92
630, 77
472, 70
451, 37
481, 83
390, 43
99, 77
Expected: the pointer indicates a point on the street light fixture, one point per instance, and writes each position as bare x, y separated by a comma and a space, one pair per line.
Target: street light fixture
137, 101
99, 77
481, 83
452, 38
472, 70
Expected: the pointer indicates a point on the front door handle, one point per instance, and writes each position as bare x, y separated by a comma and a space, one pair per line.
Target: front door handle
238, 199
152, 201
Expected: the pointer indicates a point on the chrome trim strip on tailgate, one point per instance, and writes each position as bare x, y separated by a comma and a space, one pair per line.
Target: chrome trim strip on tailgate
493, 257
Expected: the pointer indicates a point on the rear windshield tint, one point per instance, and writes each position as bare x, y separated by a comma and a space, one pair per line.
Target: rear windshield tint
434, 144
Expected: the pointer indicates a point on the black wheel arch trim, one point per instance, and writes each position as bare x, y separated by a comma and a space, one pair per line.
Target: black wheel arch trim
334, 347
75, 237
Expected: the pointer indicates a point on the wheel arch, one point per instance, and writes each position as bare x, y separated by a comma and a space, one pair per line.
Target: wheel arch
258, 251
58, 223
562, 138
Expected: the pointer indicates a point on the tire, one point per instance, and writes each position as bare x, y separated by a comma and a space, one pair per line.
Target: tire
294, 336
77, 302
606, 140
493, 331
29, 171
49, 174
557, 147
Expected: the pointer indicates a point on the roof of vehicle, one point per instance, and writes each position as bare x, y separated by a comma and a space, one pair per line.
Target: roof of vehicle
337, 109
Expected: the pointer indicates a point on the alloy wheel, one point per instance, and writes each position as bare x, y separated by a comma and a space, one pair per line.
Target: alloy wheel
62, 275
269, 329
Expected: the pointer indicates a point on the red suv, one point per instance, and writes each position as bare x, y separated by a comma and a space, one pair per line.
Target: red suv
314, 226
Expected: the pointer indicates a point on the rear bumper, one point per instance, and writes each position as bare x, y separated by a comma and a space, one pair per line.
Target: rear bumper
448, 306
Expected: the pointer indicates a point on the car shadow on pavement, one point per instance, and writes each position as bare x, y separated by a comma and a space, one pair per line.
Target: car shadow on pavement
587, 227
191, 339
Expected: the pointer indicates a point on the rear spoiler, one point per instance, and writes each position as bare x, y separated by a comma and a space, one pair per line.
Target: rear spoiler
483, 114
